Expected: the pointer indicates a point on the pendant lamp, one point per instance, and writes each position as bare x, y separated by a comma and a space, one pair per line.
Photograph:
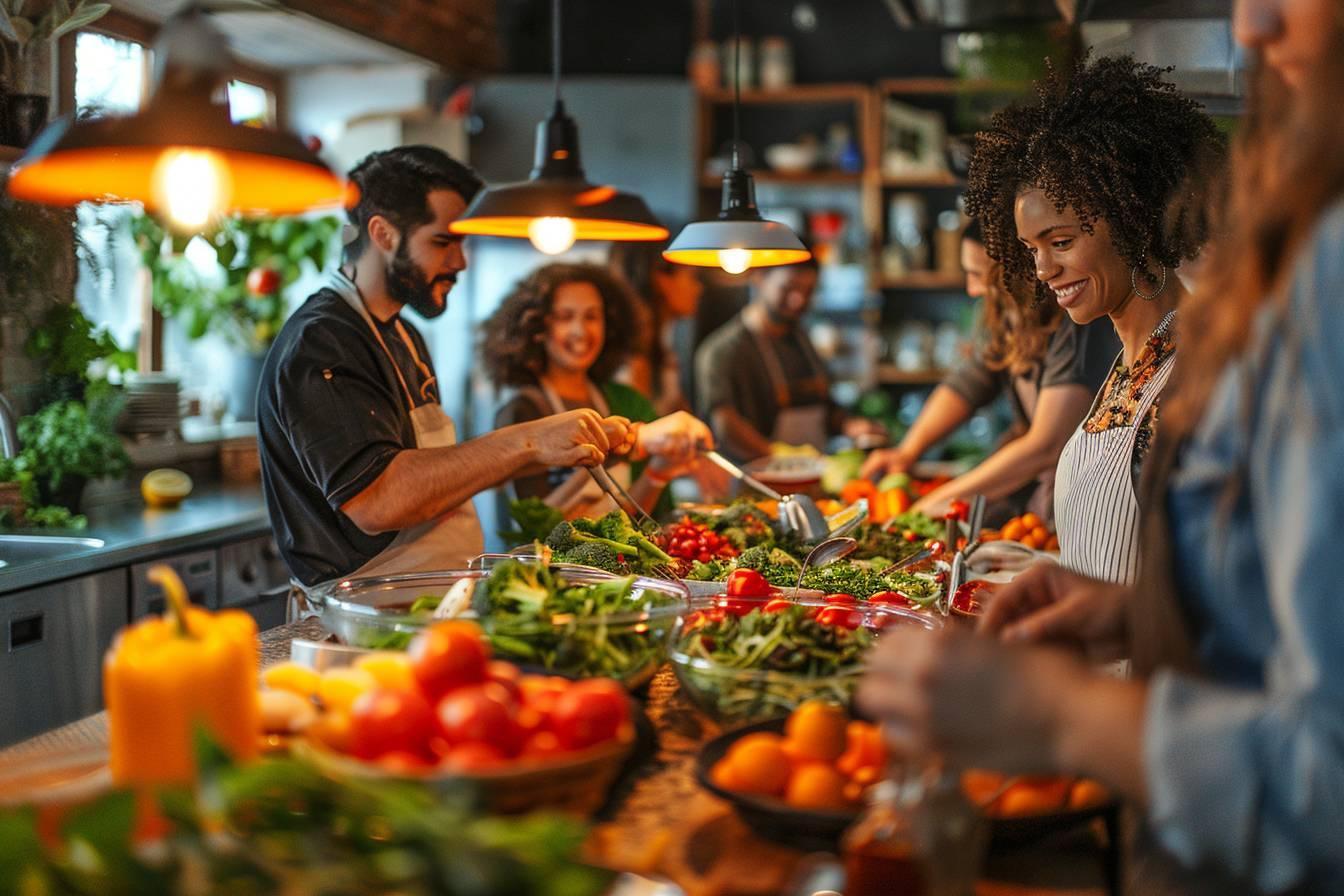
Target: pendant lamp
557, 205
739, 238
180, 155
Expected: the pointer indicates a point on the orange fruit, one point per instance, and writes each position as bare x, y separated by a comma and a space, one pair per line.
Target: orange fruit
818, 730
1041, 534
1087, 792
979, 785
1052, 543
866, 775
863, 747
1013, 530
759, 764
816, 786
722, 775
1034, 796
1031, 521
333, 730
165, 487
1031, 541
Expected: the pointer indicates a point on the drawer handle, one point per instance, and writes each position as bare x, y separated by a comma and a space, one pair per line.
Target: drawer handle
26, 631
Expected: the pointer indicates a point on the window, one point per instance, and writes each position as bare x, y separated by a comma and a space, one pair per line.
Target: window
111, 77
251, 104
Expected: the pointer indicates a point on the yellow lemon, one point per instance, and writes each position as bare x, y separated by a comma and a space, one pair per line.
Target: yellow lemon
165, 487
293, 678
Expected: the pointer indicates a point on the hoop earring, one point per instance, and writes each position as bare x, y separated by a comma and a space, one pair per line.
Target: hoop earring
1134, 284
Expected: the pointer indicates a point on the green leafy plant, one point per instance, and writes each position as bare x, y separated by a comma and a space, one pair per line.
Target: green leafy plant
73, 353
19, 470
28, 24
68, 438
258, 259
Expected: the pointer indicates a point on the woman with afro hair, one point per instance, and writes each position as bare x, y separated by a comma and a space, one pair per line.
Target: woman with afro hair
1085, 198
1228, 742
558, 339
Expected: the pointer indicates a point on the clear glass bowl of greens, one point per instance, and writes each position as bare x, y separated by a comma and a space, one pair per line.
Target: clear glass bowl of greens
744, 659
567, 620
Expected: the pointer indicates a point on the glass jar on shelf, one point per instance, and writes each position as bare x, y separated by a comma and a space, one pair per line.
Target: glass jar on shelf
746, 63
703, 68
776, 63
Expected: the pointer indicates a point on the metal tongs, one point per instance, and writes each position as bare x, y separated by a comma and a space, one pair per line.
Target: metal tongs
958, 574
797, 513
622, 499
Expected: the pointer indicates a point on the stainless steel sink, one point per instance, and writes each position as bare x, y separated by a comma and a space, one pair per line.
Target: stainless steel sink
17, 550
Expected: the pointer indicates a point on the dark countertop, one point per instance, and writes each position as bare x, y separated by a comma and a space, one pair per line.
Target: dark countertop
133, 533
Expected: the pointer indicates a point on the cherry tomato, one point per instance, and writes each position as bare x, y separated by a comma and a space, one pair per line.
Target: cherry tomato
447, 656
263, 281
776, 605
401, 762
590, 712
891, 598
473, 757
542, 745
507, 676
479, 714
739, 606
839, 599
910, 535
747, 583
386, 720
959, 509
840, 617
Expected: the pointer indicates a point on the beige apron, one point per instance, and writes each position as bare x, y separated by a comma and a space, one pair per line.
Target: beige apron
452, 539
580, 495
802, 425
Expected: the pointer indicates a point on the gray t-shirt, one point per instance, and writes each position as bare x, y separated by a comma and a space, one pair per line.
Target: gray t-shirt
1075, 356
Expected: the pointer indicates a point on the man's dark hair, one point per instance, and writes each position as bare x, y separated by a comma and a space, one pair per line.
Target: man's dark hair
396, 184
1113, 139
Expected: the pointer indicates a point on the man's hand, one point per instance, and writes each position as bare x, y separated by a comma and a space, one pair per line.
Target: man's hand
580, 438
1050, 604
886, 461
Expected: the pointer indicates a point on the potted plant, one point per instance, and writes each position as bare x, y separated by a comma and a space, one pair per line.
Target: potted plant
67, 443
29, 28
242, 298
73, 354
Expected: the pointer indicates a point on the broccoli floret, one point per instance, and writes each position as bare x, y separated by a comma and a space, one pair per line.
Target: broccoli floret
616, 526
755, 558
519, 583
567, 536
595, 554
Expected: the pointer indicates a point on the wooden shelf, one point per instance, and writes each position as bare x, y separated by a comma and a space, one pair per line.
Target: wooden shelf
890, 375
798, 93
802, 178
922, 181
9, 154
925, 280
947, 86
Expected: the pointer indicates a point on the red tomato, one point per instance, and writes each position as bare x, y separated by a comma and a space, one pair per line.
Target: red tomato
263, 281
589, 713
839, 599
479, 714
385, 720
747, 583
891, 598
542, 745
507, 676
400, 762
473, 757
776, 605
840, 617
447, 656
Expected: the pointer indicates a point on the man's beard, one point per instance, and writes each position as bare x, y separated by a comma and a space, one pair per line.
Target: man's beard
407, 285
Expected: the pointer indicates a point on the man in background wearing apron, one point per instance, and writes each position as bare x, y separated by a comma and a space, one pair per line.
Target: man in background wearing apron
758, 377
361, 467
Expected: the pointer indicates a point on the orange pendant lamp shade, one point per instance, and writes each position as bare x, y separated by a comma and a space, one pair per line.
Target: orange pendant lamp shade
181, 155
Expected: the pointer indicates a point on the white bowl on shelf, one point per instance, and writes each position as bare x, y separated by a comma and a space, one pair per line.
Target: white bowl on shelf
791, 158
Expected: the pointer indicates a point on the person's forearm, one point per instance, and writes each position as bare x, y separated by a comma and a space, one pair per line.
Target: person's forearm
1099, 729
941, 415
733, 431
646, 490
1005, 471
421, 484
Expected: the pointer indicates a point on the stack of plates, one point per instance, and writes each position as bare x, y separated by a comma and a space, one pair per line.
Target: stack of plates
152, 404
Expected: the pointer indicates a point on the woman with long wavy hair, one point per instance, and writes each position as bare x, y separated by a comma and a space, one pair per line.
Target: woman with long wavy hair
1230, 739
1046, 365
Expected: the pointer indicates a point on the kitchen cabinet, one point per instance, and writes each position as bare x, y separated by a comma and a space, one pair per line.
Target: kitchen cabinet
54, 640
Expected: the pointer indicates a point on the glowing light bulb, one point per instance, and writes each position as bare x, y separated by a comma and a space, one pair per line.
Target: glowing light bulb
734, 261
191, 186
551, 235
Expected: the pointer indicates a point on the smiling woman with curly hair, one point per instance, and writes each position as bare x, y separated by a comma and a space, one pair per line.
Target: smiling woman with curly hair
1086, 199
557, 339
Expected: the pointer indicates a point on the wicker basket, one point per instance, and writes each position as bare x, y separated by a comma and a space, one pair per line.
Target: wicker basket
11, 499
239, 460
576, 783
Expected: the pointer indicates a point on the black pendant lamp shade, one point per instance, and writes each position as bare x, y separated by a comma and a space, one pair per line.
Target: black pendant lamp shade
181, 155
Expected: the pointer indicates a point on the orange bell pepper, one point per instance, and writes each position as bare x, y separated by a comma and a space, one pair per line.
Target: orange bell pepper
166, 675
857, 488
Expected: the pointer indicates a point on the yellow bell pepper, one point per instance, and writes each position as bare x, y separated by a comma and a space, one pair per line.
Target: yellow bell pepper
166, 675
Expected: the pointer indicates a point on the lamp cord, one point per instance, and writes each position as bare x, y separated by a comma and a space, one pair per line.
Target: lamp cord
555, 48
737, 78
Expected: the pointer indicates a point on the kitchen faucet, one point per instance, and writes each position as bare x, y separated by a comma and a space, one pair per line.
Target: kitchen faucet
9, 436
